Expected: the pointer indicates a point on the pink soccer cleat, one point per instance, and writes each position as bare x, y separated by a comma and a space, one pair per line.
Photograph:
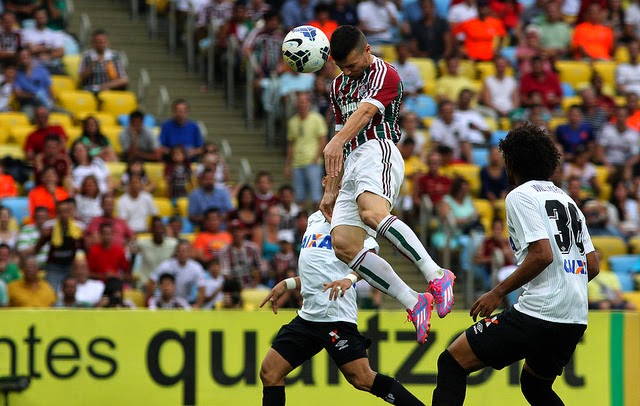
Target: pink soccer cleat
420, 316
442, 291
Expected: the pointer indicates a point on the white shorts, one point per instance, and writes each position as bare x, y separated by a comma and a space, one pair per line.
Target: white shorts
377, 167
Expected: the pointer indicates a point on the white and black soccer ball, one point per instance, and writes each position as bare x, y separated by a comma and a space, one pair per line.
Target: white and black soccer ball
305, 49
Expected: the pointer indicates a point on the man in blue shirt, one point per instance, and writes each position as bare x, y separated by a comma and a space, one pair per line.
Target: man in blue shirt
208, 196
179, 130
33, 83
575, 132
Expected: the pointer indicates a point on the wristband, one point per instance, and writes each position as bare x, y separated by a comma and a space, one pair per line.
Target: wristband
290, 283
352, 278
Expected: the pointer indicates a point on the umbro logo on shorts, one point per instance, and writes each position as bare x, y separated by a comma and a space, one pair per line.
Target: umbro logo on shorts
342, 344
482, 324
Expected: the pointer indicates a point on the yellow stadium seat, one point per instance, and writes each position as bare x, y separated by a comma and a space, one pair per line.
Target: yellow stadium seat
634, 244
13, 151
602, 175
622, 55
183, 206
569, 101
116, 169
155, 173
188, 236
633, 297
426, 67
620, 100
71, 65
61, 83
136, 296
486, 69
606, 69
608, 246
102, 117
492, 123
485, 212
470, 172
112, 132
555, 122
73, 134
253, 297
161, 5
11, 119
165, 208
388, 52
427, 122
18, 134
78, 101
465, 68
117, 102
505, 124
61, 119
574, 72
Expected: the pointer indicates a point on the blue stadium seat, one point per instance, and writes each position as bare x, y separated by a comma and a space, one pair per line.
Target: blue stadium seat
19, 207
567, 90
480, 156
624, 266
442, 7
497, 135
422, 105
148, 120
510, 54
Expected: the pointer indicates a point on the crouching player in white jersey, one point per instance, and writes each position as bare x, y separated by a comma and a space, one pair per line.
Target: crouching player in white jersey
556, 260
323, 322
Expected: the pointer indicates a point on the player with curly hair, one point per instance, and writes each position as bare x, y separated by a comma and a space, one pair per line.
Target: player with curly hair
556, 259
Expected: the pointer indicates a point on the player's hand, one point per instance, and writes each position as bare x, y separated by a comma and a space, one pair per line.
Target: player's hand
333, 157
326, 205
273, 296
485, 305
338, 288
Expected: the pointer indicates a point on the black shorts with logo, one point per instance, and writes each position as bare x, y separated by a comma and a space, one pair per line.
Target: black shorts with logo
510, 336
300, 340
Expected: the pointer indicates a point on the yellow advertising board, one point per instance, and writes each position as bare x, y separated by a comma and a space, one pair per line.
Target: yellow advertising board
213, 358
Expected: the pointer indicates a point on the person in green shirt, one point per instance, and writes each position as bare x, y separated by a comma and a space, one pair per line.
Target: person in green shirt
555, 33
9, 271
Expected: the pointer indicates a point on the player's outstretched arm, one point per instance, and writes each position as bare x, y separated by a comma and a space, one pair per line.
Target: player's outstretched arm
279, 290
339, 287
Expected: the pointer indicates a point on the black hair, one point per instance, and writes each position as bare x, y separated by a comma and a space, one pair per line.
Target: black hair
211, 210
167, 276
456, 185
136, 114
285, 188
530, 153
243, 189
98, 31
345, 39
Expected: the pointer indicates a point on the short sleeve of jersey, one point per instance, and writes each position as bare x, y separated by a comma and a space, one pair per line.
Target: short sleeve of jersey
384, 86
524, 216
586, 238
334, 104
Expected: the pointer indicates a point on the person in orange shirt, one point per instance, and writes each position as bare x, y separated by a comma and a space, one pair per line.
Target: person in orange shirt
211, 240
483, 35
7, 184
592, 39
48, 193
323, 21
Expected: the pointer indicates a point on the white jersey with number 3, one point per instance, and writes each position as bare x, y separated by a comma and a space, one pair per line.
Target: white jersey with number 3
539, 210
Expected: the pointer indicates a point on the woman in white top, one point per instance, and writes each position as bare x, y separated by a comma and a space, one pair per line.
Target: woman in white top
85, 165
89, 200
500, 92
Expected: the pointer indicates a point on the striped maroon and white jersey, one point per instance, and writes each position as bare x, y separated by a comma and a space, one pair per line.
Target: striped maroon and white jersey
381, 86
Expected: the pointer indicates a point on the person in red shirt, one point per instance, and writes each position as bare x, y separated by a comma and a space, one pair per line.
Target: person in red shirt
122, 234
483, 35
323, 20
35, 141
106, 259
591, 39
508, 11
211, 240
547, 83
431, 184
265, 197
53, 155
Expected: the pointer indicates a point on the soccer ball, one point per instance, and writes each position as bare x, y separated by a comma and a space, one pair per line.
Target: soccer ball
305, 49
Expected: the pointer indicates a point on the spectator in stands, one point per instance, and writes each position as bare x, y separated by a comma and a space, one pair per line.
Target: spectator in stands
266, 44
546, 83
344, 12
98, 143
4, 295
378, 20
494, 183
86, 165
448, 131
122, 234
106, 259
528, 48
67, 296
138, 142
188, 273
597, 218
214, 285
175, 226
10, 39
57, 14
47, 193
615, 19
633, 112
237, 25
136, 167
533, 13
135, 206
33, 84
605, 293
477, 131
30, 291
177, 173
88, 200
45, 44
624, 215
431, 184
408, 71
450, 84
301, 225
168, 298
555, 33
7, 184
594, 115
30, 234
483, 35
508, 11
410, 128
246, 208
53, 155
461, 12
617, 145
430, 36
632, 20
287, 207
323, 20
580, 167
87, 290
8, 234
207, 196
35, 141
101, 67
154, 250
494, 253
215, 162
576, 132
23, 9
307, 135
628, 74
9, 270
114, 296
297, 12
591, 39
212, 238
7, 84
266, 235
64, 236
601, 91
500, 91
413, 165
216, 11
241, 260
179, 130
265, 197
284, 261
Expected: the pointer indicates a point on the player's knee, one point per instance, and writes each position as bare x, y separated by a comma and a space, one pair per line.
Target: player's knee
361, 381
343, 248
536, 390
373, 217
269, 377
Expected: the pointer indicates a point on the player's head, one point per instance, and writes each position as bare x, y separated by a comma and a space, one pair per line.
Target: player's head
529, 154
350, 51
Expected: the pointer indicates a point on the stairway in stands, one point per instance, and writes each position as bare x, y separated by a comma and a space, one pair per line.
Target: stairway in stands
209, 107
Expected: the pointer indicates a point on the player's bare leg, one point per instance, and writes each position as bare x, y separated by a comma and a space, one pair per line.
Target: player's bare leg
272, 373
362, 377
375, 212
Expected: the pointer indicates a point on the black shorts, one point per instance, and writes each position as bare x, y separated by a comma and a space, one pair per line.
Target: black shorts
300, 340
511, 336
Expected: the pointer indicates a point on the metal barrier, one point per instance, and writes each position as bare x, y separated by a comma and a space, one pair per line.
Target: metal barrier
164, 100
172, 40
152, 19
144, 81
190, 48
250, 93
211, 54
245, 174
85, 30
135, 6
225, 148
203, 129
232, 50
272, 112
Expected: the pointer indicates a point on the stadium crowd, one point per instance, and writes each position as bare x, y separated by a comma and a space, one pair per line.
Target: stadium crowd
104, 216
